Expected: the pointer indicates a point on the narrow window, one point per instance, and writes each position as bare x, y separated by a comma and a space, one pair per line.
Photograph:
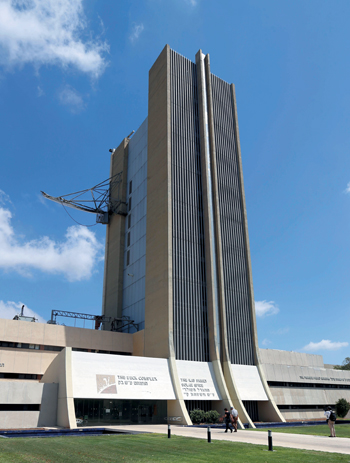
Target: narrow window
130, 204
128, 258
129, 239
130, 187
129, 220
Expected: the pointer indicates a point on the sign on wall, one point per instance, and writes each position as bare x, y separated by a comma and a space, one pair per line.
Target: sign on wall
197, 380
103, 376
305, 374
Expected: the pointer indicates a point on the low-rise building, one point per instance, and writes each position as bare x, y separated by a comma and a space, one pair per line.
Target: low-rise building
301, 384
58, 375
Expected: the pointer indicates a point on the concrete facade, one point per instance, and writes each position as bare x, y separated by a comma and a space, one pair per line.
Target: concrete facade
301, 385
44, 335
40, 404
135, 230
34, 352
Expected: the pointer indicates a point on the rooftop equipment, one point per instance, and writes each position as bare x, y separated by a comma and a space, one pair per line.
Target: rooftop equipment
117, 324
23, 318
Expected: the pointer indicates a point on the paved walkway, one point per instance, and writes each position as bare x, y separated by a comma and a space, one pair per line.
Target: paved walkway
295, 441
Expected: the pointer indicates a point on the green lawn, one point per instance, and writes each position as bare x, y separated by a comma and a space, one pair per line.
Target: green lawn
342, 430
150, 448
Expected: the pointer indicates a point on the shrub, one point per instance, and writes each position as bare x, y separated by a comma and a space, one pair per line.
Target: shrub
197, 416
342, 407
212, 416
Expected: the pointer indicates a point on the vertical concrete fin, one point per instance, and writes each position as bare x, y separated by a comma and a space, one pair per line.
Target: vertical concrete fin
69, 388
220, 381
159, 340
267, 411
213, 254
112, 304
177, 408
227, 379
218, 242
60, 372
208, 212
235, 396
158, 284
245, 228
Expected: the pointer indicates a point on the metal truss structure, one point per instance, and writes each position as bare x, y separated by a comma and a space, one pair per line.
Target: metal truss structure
96, 200
117, 324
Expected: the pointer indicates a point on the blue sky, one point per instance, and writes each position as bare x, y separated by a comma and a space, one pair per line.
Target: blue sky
73, 83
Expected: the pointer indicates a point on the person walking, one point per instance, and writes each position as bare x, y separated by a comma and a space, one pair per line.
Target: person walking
331, 417
234, 415
227, 419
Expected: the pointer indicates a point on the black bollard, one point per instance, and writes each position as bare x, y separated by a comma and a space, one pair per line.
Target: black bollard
209, 435
270, 440
169, 431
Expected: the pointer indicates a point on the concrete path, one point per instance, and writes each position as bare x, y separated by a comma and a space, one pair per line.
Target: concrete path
295, 441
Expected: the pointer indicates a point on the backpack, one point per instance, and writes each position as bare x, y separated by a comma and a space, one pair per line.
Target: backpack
332, 416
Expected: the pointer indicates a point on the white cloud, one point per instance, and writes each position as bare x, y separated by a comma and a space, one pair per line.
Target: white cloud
9, 309
266, 342
192, 2
136, 32
325, 344
265, 308
71, 98
4, 198
75, 258
281, 331
48, 32
42, 200
347, 190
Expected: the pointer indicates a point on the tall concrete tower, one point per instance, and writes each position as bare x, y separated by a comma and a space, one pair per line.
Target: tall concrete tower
178, 263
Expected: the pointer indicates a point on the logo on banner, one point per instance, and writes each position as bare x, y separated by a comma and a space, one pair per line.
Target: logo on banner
106, 384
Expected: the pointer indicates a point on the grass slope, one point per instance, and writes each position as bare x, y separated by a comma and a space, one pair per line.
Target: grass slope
150, 448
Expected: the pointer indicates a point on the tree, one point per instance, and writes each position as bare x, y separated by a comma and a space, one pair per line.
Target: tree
342, 407
344, 366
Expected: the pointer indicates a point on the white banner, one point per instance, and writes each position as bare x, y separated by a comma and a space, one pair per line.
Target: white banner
248, 382
103, 376
197, 380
